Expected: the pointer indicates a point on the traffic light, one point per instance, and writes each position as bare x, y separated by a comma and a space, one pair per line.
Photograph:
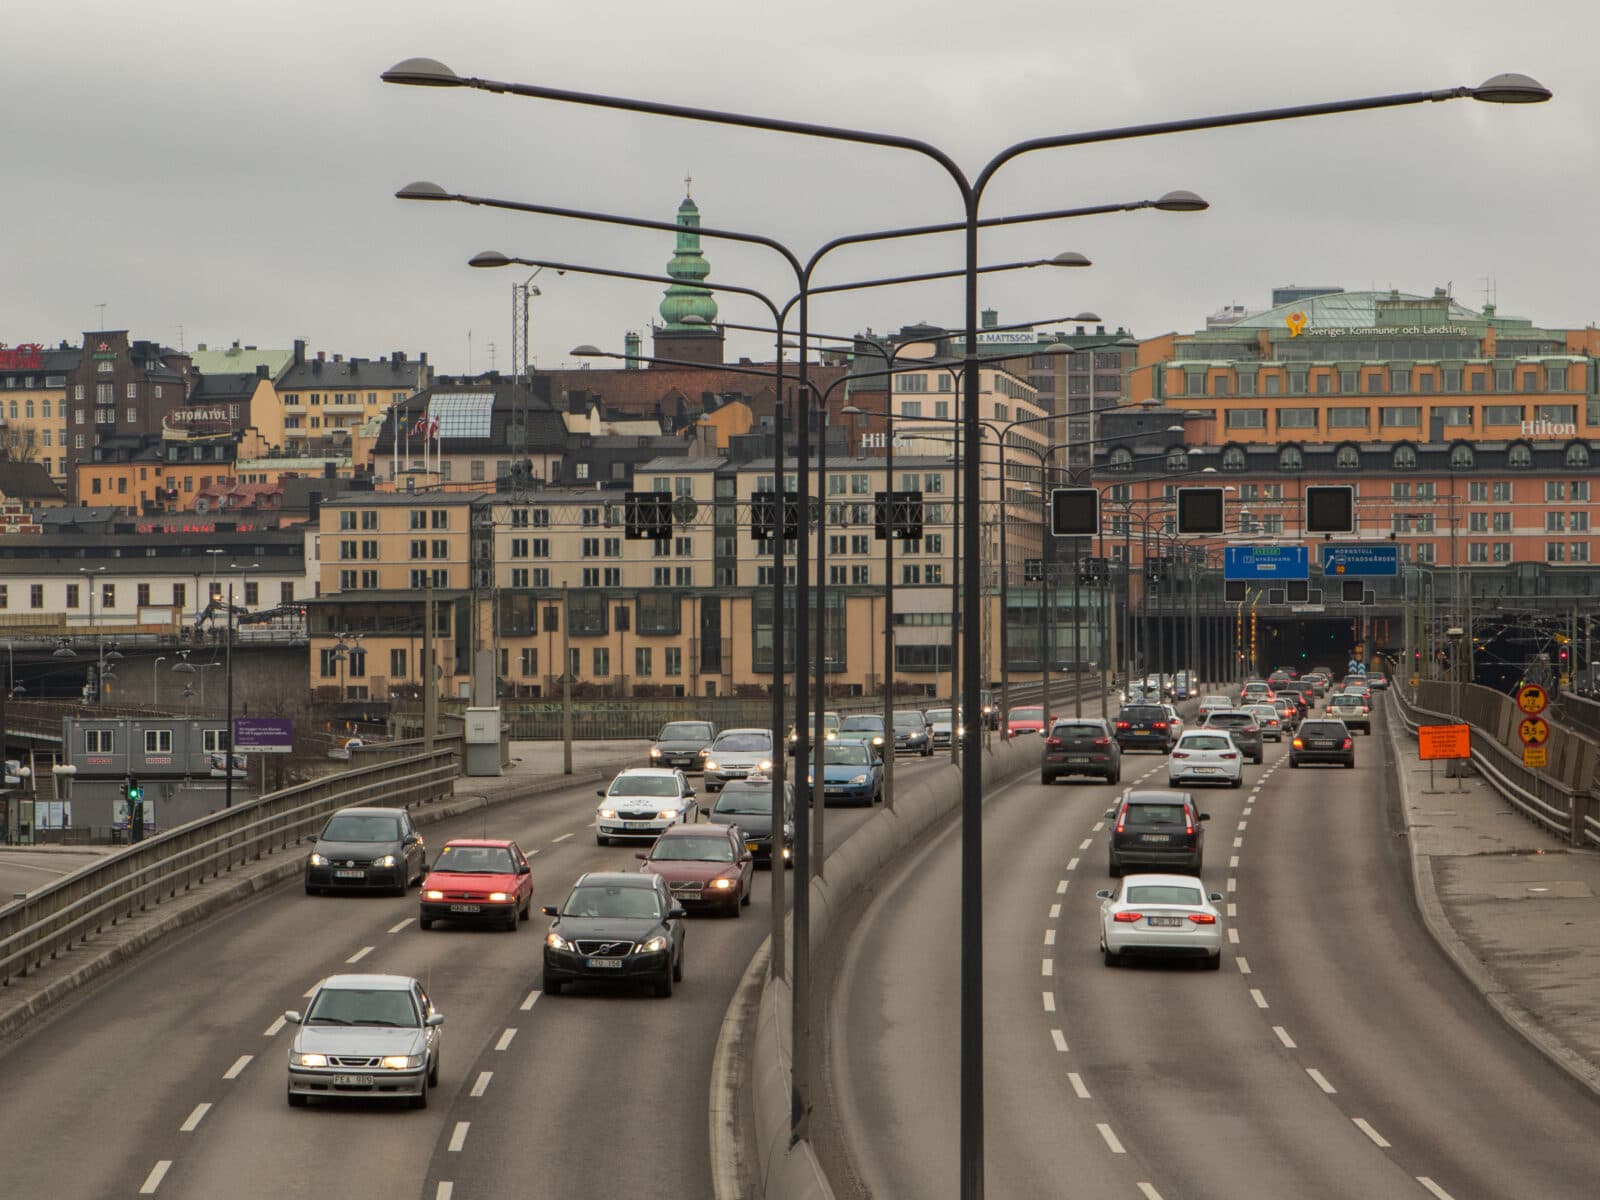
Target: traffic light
1563, 656
133, 791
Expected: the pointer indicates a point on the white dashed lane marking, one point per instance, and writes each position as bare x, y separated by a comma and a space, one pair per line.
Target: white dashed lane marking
1085, 844
1233, 935
531, 999
1242, 963
446, 1188
1434, 1189
399, 925
1233, 885
1047, 967
1321, 1081
1055, 911
1098, 826
1049, 937
1243, 825
562, 838
1078, 1090
1233, 862
1061, 887
505, 1039
1049, 999
458, 1137
1060, 1040
360, 954
1148, 1191
1072, 864
1237, 842
1233, 909
1110, 1137
1283, 1036
481, 1084
1377, 1138
153, 1180
239, 1064
272, 1030
1258, 997
198, 1115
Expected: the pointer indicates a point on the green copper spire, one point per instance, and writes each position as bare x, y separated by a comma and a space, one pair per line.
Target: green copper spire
690, 266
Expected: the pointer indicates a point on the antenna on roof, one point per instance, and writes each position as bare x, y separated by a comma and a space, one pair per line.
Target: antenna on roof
1491, 289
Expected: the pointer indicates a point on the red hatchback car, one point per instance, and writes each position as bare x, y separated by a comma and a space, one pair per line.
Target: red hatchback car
1028, 719
478, 879
705, 866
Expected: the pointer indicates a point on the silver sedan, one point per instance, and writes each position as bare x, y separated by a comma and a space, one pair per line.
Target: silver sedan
1160, 916
366, 1036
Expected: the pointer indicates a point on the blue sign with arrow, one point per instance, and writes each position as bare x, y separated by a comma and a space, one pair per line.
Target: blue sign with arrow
1266, 562
1355, 561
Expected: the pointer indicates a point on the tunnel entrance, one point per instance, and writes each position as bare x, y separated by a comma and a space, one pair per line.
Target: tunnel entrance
1306, 643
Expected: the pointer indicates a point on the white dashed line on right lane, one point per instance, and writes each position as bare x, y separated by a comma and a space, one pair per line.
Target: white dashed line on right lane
1321, 1081
153, 1180
1377, 1138
481, 1084
1078, 1090
239, 1064
505, 1039
1434, 1189
1110, 1137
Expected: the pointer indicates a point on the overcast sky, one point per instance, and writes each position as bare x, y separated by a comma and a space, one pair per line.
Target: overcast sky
212, 172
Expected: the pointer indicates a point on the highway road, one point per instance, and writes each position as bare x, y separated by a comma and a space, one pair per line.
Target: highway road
1337, 1054
24, 870
169, 1078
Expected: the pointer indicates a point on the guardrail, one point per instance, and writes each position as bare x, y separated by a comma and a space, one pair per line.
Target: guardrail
1564, 811
44, 923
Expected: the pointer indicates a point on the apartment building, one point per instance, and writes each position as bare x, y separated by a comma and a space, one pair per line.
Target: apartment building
33, 405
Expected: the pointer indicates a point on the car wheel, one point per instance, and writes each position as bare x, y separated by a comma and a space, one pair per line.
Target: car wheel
1294, 763
552, 987
664, 984
601, 841
1236, 781
297, 1101
1115, 776
433, 1075
1114, 869
745, 895
420, 1100
1110, 959
312, 891
401, 888
527, 907
1257, 759
424, 922
513, 922
1047, 780
1214, 963
1351, 765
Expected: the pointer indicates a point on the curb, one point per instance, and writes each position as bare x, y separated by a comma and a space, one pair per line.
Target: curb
240, 888
1461, 956
729, 1065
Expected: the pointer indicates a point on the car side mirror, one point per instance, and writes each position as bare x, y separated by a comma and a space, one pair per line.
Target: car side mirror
642, 855
435, 1018
1215, 897
1205, 816
549, 910
747, 857
524, 869
676, 913
1103, 894
292, 1017
1111, 814
601, 792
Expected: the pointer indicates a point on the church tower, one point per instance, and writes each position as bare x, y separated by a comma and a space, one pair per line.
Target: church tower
699, 340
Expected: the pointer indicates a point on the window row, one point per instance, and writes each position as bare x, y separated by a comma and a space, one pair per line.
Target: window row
1329, 381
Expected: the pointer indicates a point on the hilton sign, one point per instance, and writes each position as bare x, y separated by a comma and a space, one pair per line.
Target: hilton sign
1551, 429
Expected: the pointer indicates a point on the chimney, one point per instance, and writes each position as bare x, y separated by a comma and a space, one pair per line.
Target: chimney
201, 348
991, 318
314, 504
261, 370
329, 471
322, 356
630, 351
299, 351
337, 358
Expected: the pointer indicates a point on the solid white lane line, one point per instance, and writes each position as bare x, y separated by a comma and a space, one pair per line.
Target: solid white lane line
505, 1039
1242, 963
1433, 1188
198, 1115
446, 1188
1078, 1090
1047, 967
1060, 1039
562, 838
1085, 844
1237, 842
399, 925
1283, 1036
239, 1064
481, 1084
153, 1180
1049, 937
272, 1030
1098, 826
1257, 995
360, 954
1055, 911
1233, 909
1110, 1138
1233, 935
531, 999
1148, 1191
1321, 1080
1049, 999
1072, 864
1377, 1138
458, 1137
1233, 862
1061, 887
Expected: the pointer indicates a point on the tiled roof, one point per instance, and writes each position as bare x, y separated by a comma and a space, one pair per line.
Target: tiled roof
237, 360
26, 481
224, 387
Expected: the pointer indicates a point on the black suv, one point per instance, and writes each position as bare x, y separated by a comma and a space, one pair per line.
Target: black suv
1323, 741
1241, 727
1160, 829
1080, 747
1144, 727
747, 803
615, 927
367, 849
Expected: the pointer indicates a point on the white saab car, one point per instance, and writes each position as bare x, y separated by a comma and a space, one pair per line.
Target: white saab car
1205, 756
1160, 916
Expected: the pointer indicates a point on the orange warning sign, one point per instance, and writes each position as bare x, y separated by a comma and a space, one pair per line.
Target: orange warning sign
1535, 756
1532, 699
1444, 741
1533, 731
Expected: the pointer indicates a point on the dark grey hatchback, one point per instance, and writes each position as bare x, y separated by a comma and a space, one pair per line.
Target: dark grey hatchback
1081, 747
1160, 829
1241, 726
365, 850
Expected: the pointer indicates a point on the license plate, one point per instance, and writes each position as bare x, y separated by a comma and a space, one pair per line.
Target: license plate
1155, 837
604, 964
1141, 733
466, 908
1077, 758
636, 824
1322, 745
352, 1081
1165, 922
349, 874
1206, 770
752, 845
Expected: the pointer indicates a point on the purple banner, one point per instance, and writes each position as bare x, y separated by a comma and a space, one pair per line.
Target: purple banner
263, 735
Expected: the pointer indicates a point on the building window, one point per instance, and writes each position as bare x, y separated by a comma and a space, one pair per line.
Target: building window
1426, 381
1452, 379
1501, 552
1555, 379
1273, 384
1579, 552
1461, 457
1374, 382
1233, 458
36, 595
641, 662
1519, 455
1349, 381
158, 741
99, 741
602, 661
1399, 381
1347, 458
1246, 383
1247, 418
1323, 382
1559, 414
1290, 458
1577, 455
1477, 522
1400, 418
1405, 458
1297, 418
1502, 414
1347, 418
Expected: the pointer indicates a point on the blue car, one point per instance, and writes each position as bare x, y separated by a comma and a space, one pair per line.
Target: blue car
851, 773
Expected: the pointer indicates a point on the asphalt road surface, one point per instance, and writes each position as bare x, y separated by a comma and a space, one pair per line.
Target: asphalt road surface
169, 1078
1336, 1054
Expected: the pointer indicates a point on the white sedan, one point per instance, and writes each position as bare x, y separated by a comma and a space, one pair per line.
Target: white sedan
643, 801
1213, 702
1160, 916
1205, 756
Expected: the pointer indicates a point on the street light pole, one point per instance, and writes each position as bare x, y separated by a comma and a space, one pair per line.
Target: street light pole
227, 752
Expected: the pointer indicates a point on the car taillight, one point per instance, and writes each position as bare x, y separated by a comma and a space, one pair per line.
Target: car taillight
1052, 741
1180, 754
1101, 741
1345, 745
1122, 819
1298, 745
1122, 725
1229, 755
1202, 918
1158, 725
1251, 729
1128, 918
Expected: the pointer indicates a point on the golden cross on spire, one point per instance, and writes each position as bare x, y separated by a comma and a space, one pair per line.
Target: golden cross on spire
688, 181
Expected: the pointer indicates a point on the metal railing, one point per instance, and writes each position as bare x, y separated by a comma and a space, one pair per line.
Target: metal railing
1562, 810
46, 922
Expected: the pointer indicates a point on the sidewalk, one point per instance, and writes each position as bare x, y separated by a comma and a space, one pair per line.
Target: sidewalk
1517, 911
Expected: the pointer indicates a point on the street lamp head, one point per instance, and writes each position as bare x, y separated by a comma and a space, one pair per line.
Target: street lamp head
1182, 200
422, 190
1512, 87
587, 351
1069, 258
489, 258
422, 72
1088, 316
63, 651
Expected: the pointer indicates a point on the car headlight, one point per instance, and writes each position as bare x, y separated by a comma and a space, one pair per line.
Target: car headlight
859, 779
877, 741
764, 765
702, 752
401, 1062
655, 752
961, 731
711, 764
388, 860
830, 736
500, 897
666, 814
609, 814
433, 894
786, 852
722, 884
318, 860
654, 946
556, 942
309, 1060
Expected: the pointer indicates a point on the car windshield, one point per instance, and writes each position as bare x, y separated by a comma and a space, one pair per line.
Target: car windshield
1155, 814
1211, 701
594, 900
1162, 893
861, 725
361, 827
734, 743
475, 860
1076, 731
1264, 713
1027, 714
644, 785
1321, 729
1206, 741
1230, 719
362, 1006
685, 731
692, 849
851, 754
937, 716
744, 800
911, 720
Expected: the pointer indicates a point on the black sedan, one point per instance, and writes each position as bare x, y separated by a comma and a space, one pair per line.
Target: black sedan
615, 928
1323, 741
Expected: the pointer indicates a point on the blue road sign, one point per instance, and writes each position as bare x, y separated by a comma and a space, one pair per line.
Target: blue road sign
1355, 561
1266, 562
